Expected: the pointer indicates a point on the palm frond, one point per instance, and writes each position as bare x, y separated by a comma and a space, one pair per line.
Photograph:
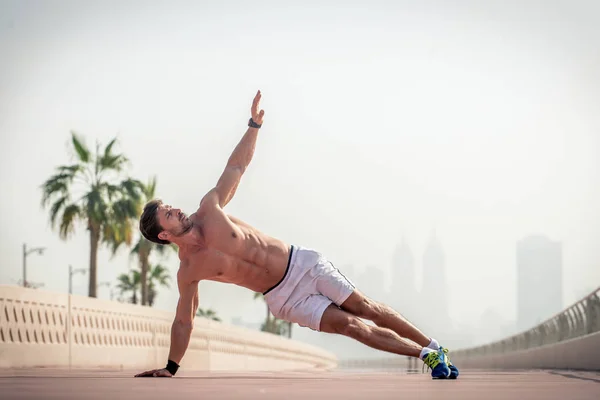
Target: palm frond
56, 185
70, 169
129, 282
133, 189
57, 206
136, 277
109, 146
125, 283
96, 206
111, 191
69, 216
138, 246
110, 161
80, 148
150, 188
159, 274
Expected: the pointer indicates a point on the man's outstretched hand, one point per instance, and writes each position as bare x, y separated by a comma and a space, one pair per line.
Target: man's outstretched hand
162, 373
257, 116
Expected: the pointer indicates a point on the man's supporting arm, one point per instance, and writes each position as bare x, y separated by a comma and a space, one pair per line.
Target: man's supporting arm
181, 330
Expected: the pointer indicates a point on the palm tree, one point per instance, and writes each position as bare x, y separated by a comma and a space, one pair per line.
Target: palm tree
92, 191
129, 283
208, 313
267, 325
159, 275
144, 247
272, 324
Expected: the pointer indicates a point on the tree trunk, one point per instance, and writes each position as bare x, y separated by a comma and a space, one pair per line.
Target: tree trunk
144, 275
151, 296
134, 297
289, 329
268, 321
94, 239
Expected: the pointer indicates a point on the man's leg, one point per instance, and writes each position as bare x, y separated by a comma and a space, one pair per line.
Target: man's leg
336, 320
386, 317
342, 322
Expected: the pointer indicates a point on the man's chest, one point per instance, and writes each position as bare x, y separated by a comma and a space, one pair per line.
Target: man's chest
220, 233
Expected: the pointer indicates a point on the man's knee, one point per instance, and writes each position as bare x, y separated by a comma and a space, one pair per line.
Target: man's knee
352, 327
342, 323
370, 309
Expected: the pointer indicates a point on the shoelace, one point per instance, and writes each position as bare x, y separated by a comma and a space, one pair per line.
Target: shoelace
431, 360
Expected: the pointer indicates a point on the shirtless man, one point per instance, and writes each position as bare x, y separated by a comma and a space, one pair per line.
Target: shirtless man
299, 284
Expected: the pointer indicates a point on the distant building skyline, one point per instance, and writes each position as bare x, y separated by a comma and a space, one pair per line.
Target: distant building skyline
539, 267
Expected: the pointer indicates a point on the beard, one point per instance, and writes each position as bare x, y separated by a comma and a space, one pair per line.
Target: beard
185, 227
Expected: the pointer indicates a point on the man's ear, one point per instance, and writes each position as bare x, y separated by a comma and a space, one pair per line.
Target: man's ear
164, 235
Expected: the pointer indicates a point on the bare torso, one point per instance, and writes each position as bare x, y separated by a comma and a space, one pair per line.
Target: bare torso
232, 251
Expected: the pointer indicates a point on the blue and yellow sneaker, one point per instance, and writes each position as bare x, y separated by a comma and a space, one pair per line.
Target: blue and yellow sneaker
453, 369
436, 360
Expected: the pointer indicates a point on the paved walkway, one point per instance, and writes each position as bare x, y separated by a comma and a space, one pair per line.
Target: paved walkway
344, 385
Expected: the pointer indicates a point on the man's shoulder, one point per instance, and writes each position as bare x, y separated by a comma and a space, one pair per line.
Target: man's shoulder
204, 211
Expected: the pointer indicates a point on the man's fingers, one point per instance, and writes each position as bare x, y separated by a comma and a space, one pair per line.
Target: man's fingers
155, 373
255, 102
147, 373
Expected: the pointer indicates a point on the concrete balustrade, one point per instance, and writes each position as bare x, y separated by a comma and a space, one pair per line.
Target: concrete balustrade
582, 353
35, 332
568, 340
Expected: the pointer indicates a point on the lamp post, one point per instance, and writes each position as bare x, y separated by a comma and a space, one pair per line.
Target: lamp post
39, 250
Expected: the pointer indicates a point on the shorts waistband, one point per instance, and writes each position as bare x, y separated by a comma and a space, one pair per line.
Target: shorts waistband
286, 271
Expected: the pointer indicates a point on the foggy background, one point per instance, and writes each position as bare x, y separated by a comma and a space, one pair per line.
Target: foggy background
413, 143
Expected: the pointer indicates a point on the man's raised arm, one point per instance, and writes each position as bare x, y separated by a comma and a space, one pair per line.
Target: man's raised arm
181, 330
239, 160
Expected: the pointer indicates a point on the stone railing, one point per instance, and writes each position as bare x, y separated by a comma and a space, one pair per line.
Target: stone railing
570, 339
46, 329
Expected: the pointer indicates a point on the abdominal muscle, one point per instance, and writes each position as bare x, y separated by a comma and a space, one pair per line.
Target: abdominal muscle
238, 253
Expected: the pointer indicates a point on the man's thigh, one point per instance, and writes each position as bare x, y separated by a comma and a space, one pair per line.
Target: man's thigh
331, 283
335, 320
306, 312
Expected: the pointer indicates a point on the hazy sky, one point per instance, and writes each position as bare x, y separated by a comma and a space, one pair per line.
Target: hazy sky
480, 120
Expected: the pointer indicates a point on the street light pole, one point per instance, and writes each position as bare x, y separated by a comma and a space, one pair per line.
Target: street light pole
26, 252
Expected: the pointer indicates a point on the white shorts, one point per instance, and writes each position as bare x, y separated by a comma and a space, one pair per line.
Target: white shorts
310, 284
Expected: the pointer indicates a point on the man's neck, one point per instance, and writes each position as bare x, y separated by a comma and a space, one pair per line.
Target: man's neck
193, 238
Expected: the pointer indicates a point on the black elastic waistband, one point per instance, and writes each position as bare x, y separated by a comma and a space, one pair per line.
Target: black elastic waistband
286, 271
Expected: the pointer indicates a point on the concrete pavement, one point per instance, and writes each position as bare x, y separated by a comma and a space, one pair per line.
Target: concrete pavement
339, 384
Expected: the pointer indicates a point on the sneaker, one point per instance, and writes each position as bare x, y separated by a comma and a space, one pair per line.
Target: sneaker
436, 360
453, 369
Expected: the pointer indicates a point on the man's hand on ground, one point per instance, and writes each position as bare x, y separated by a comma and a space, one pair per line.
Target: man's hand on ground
163, 373
257, 116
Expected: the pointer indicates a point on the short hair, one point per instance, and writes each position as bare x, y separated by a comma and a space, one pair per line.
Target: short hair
149, 225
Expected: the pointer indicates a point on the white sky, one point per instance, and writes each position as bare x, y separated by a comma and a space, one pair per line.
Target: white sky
383, 119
